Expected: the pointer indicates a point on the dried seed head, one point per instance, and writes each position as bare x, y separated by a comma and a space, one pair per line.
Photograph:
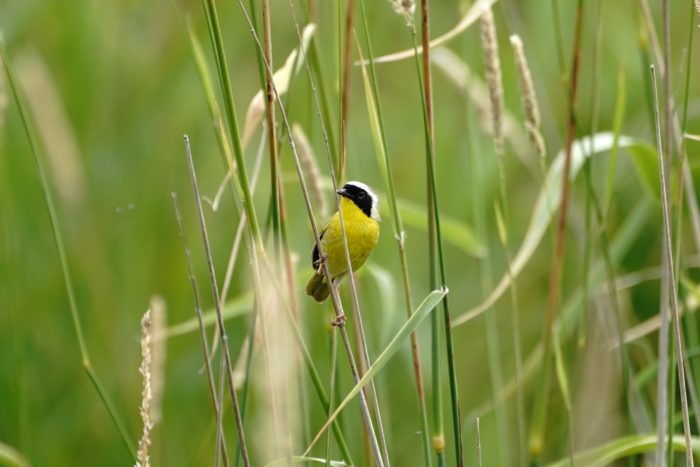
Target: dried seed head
536, 139
529, 97
307, 158
158, 325
489, 45
146, 394
405, 8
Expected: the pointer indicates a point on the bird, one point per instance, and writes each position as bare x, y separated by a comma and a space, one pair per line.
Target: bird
360, 208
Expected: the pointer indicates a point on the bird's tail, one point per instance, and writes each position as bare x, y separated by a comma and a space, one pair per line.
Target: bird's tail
318, 287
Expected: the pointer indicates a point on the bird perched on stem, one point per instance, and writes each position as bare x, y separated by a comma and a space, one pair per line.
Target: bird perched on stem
360, 208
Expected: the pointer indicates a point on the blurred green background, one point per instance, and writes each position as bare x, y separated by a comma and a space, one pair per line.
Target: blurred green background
113, 87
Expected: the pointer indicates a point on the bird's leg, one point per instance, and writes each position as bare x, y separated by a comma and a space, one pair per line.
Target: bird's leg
320, 261
339, 319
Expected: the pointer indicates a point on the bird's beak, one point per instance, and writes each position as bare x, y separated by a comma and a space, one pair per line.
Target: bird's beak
341, 191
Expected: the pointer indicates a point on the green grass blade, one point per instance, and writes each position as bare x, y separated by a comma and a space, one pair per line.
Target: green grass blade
10, 457
545, 207
621, 448
60, 247
282, 79
471, 16
306, 460
426, 306
227, 90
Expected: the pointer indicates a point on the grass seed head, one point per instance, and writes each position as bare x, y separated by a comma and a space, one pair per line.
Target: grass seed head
405, 8
146, 394
308, 161
489, 45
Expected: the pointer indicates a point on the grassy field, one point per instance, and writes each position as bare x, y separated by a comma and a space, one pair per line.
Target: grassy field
562, 344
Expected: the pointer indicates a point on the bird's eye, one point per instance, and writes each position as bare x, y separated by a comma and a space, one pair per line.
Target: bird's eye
361, 195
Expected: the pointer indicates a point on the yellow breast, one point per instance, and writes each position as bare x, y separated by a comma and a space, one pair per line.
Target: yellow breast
362, 233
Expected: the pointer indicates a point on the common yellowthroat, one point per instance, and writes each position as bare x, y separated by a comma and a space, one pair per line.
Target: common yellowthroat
360, 208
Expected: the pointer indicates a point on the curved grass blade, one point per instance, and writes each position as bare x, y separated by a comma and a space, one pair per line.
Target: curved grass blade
474, 13
282, 79
546, 205
10, 457
423, 310
306, 460
621, 448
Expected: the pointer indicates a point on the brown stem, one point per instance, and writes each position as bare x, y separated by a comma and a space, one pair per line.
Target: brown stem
345, 86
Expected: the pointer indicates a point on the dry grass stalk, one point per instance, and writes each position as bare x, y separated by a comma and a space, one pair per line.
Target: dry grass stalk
158, 354
276, 381
457, 71
489, 45
146, 394
309, 163
478, 442
529, 97
668, 251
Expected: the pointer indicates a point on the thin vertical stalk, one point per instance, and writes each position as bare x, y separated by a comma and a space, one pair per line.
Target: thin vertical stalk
690, 320
364, 361
478, 442
345, 85
217, 302
248, 366
337, 305
560, 243
219, 421
675, 313
435, 336
558, 39
239, 165
399, 234
688, 184
492, 66
202, 330
427, 104
331, 390
271, 127
85, 360
668, 135
275, 196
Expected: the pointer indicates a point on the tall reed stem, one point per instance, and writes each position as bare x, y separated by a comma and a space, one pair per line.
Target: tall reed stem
340, 315
668, 248
345, 85
202, 331
536, 441
217, 302
400, 237
428, 121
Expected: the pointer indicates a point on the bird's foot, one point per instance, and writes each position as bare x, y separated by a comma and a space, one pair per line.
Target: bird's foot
320, 261
339, 321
